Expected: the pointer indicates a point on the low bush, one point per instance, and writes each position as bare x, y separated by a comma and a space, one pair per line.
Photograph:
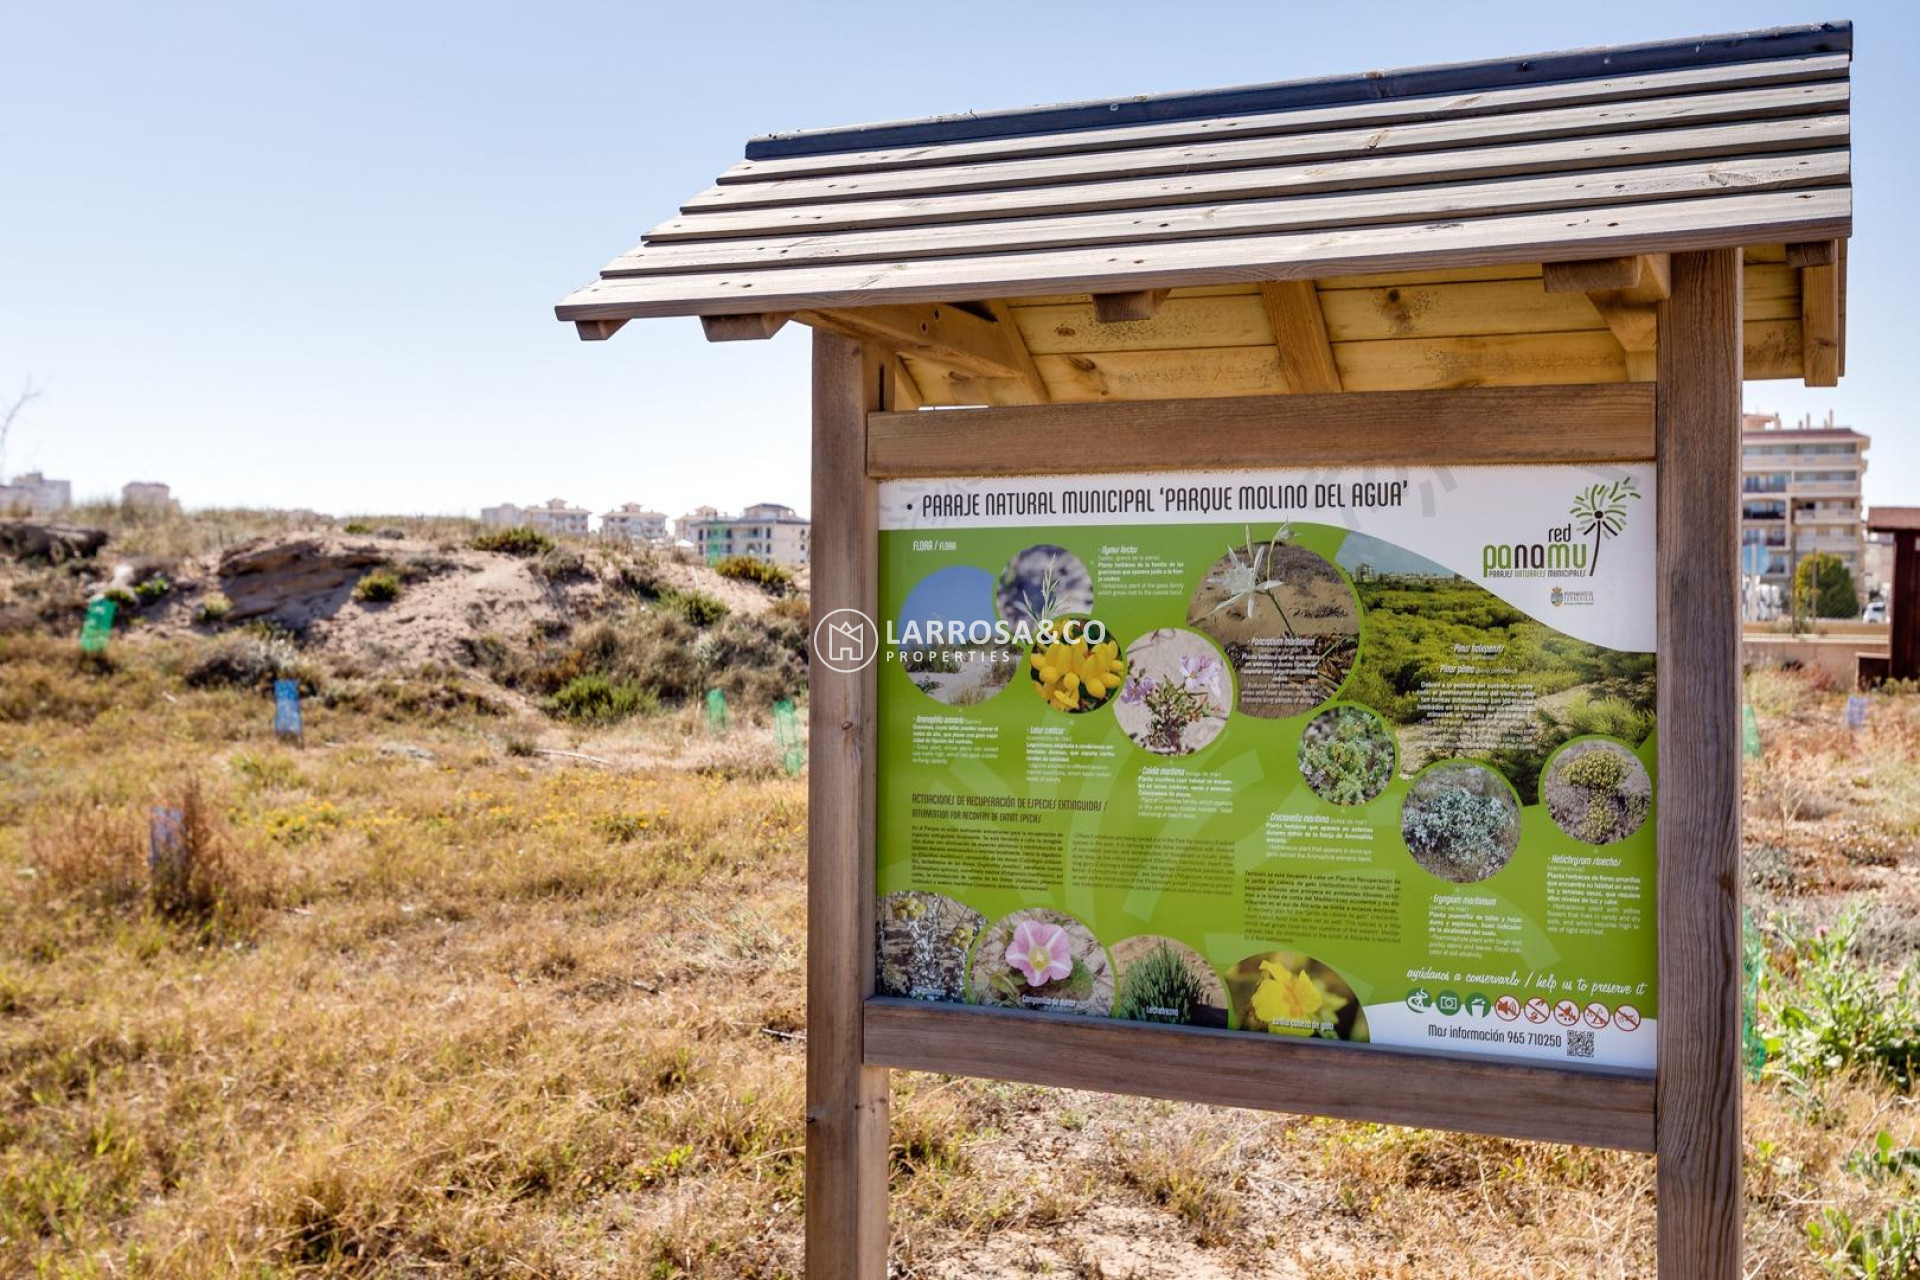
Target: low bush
694, 605
152, 589
516, 541
247, 661
594, 699
214, 608
89, 856
641, 575
379, 587
753, 661
201, 873
560, 564
761, 573
1822, 1012
1854, 1250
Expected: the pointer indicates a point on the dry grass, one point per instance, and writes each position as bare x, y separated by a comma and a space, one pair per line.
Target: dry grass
492, 1012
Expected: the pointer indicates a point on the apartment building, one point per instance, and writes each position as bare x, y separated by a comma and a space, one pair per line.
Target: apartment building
33, 494
1799, 494
766, 531
632, 522
555, 516
508, 515
146, 495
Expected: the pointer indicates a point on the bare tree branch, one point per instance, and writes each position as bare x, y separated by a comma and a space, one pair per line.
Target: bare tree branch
27, 396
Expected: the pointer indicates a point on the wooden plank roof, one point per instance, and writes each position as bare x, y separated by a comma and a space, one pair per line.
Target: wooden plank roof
1725, 141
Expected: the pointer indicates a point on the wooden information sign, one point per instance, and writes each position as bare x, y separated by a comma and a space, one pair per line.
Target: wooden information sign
1301, 669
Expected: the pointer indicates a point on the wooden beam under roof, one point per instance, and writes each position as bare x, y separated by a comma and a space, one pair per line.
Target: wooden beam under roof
1813, 253
1120, 308
1626, 291
597, 330
1300, 335
752, 327
945, 334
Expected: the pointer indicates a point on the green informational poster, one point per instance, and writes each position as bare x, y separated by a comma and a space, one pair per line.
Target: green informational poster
1356, 756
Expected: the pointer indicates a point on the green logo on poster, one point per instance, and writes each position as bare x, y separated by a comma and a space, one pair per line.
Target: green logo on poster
1447, 1002
1479, 1006
1601, 510
1419, 999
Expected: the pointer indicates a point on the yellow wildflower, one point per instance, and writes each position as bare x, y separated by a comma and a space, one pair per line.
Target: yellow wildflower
1076, 676
1293, 1003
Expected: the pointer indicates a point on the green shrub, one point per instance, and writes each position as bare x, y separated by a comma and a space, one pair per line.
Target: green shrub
152, 589
1597, 771
560, 564
1159, 987
1346, 755
1458, 824
214, 608
694, 605
356, 526
1885, 1250
761, 573
516, 541
594, 699
1823, 1012
378, 587
122, 597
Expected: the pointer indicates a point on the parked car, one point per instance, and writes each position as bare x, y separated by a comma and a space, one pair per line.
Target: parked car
1876, 611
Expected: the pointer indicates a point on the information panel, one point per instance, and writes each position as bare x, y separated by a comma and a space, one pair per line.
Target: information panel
1362, 756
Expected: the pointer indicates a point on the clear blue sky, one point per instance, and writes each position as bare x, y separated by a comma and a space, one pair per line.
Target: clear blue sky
307, 254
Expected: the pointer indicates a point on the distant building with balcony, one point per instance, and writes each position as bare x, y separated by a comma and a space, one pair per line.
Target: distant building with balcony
1800, 494
33, 494
765, 531
632, 522
146, 495
507, 515
555, 516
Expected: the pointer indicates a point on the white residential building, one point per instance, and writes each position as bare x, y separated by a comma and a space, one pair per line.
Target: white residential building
507, 515
146, 495
634, 523
33, 494
765, 531
1800, 493
555, 516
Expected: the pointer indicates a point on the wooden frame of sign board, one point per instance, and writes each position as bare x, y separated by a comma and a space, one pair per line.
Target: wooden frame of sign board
1440, 266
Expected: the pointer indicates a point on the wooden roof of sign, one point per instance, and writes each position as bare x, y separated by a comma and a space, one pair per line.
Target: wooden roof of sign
1493, 223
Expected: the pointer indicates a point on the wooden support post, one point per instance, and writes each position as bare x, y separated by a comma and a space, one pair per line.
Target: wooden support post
1820, 325
846, 1195
1697, 1091
1903, 651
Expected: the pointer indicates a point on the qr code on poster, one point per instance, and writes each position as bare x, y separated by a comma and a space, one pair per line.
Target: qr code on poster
1579, 1044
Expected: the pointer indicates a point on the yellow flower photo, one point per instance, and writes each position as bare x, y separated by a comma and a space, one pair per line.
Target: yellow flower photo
1076, 676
